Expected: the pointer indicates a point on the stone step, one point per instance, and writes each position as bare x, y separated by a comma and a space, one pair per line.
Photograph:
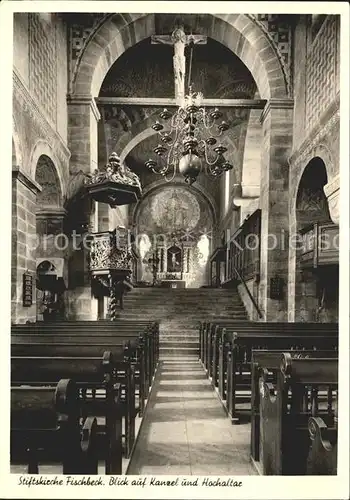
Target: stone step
178, 351
154, 317
187, 337
184, 306
183, 291
167, 344
179, 359
183, 298
186, 318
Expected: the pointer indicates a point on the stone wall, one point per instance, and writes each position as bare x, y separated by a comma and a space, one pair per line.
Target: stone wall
39, 129
248, 304
24, 192
316, 135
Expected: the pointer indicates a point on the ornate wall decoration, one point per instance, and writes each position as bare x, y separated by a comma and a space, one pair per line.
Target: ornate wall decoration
43, 64
216, 71
280, 35
173, 215
80, 31
312, 200
46, 176
33, 126
175, 208
321, 72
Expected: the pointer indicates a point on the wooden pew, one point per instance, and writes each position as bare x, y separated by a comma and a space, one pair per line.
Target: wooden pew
134, 351
285, 409
267, 364
87, 365
322, 459
221, 343
205, 328
142, 344
217, 336
98, 396
239, 362
45, 425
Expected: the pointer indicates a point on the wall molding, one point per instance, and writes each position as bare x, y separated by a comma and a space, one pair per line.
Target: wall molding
26, 180
328, 120
28, 105
276, 104
86, 100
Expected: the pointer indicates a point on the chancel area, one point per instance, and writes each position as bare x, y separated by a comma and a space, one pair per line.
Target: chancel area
175, 244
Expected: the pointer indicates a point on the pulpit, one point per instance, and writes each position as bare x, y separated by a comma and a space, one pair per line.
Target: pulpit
111, 268
111, 257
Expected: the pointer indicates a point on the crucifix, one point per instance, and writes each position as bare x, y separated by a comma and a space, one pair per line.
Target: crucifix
179, 39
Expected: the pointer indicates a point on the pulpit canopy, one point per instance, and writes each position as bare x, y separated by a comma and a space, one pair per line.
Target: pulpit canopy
115, 184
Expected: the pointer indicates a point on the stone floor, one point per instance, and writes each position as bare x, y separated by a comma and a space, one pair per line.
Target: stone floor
185, 430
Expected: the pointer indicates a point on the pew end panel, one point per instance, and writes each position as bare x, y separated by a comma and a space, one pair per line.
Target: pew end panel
322, 458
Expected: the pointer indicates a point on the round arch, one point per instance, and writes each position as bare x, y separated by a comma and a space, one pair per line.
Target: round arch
322, 152
42, 148
46, 176
311, 202
238, 32
309, 205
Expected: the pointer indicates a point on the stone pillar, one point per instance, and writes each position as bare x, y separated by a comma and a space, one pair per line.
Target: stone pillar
83, 117
24, 240
277, 121
165, 259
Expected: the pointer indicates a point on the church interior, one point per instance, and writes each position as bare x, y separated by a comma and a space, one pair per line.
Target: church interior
175, 244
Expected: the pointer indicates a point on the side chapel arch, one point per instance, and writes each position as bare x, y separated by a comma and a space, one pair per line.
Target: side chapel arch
46, 175
43, 149
50, 252
313, 302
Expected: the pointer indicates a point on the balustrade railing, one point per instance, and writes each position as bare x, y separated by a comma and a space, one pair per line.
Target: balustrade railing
319, 245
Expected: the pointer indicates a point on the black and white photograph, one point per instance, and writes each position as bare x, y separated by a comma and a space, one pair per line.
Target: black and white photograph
178, 248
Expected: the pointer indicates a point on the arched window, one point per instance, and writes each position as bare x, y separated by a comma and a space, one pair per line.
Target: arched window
203, 246
144, 245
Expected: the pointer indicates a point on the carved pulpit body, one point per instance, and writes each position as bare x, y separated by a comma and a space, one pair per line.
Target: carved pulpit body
106, 255
174, 259
111, 266
114, 184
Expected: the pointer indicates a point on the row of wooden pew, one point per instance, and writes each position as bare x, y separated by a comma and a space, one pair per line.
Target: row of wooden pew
76, 389
284, 378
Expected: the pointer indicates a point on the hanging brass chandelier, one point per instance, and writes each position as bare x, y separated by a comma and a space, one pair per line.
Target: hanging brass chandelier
188, 139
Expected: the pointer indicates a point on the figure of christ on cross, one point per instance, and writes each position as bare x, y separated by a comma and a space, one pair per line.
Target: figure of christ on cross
179, 39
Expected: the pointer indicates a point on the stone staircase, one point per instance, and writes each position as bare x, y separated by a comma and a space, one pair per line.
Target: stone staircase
179, 312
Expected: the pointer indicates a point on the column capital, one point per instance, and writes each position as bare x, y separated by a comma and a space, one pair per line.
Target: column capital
26, 180
276, 104
85, 99
47, 212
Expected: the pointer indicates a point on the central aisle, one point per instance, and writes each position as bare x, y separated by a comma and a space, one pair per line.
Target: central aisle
186, 430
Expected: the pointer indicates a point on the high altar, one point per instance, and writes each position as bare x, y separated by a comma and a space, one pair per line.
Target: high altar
174, 264
174, 222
